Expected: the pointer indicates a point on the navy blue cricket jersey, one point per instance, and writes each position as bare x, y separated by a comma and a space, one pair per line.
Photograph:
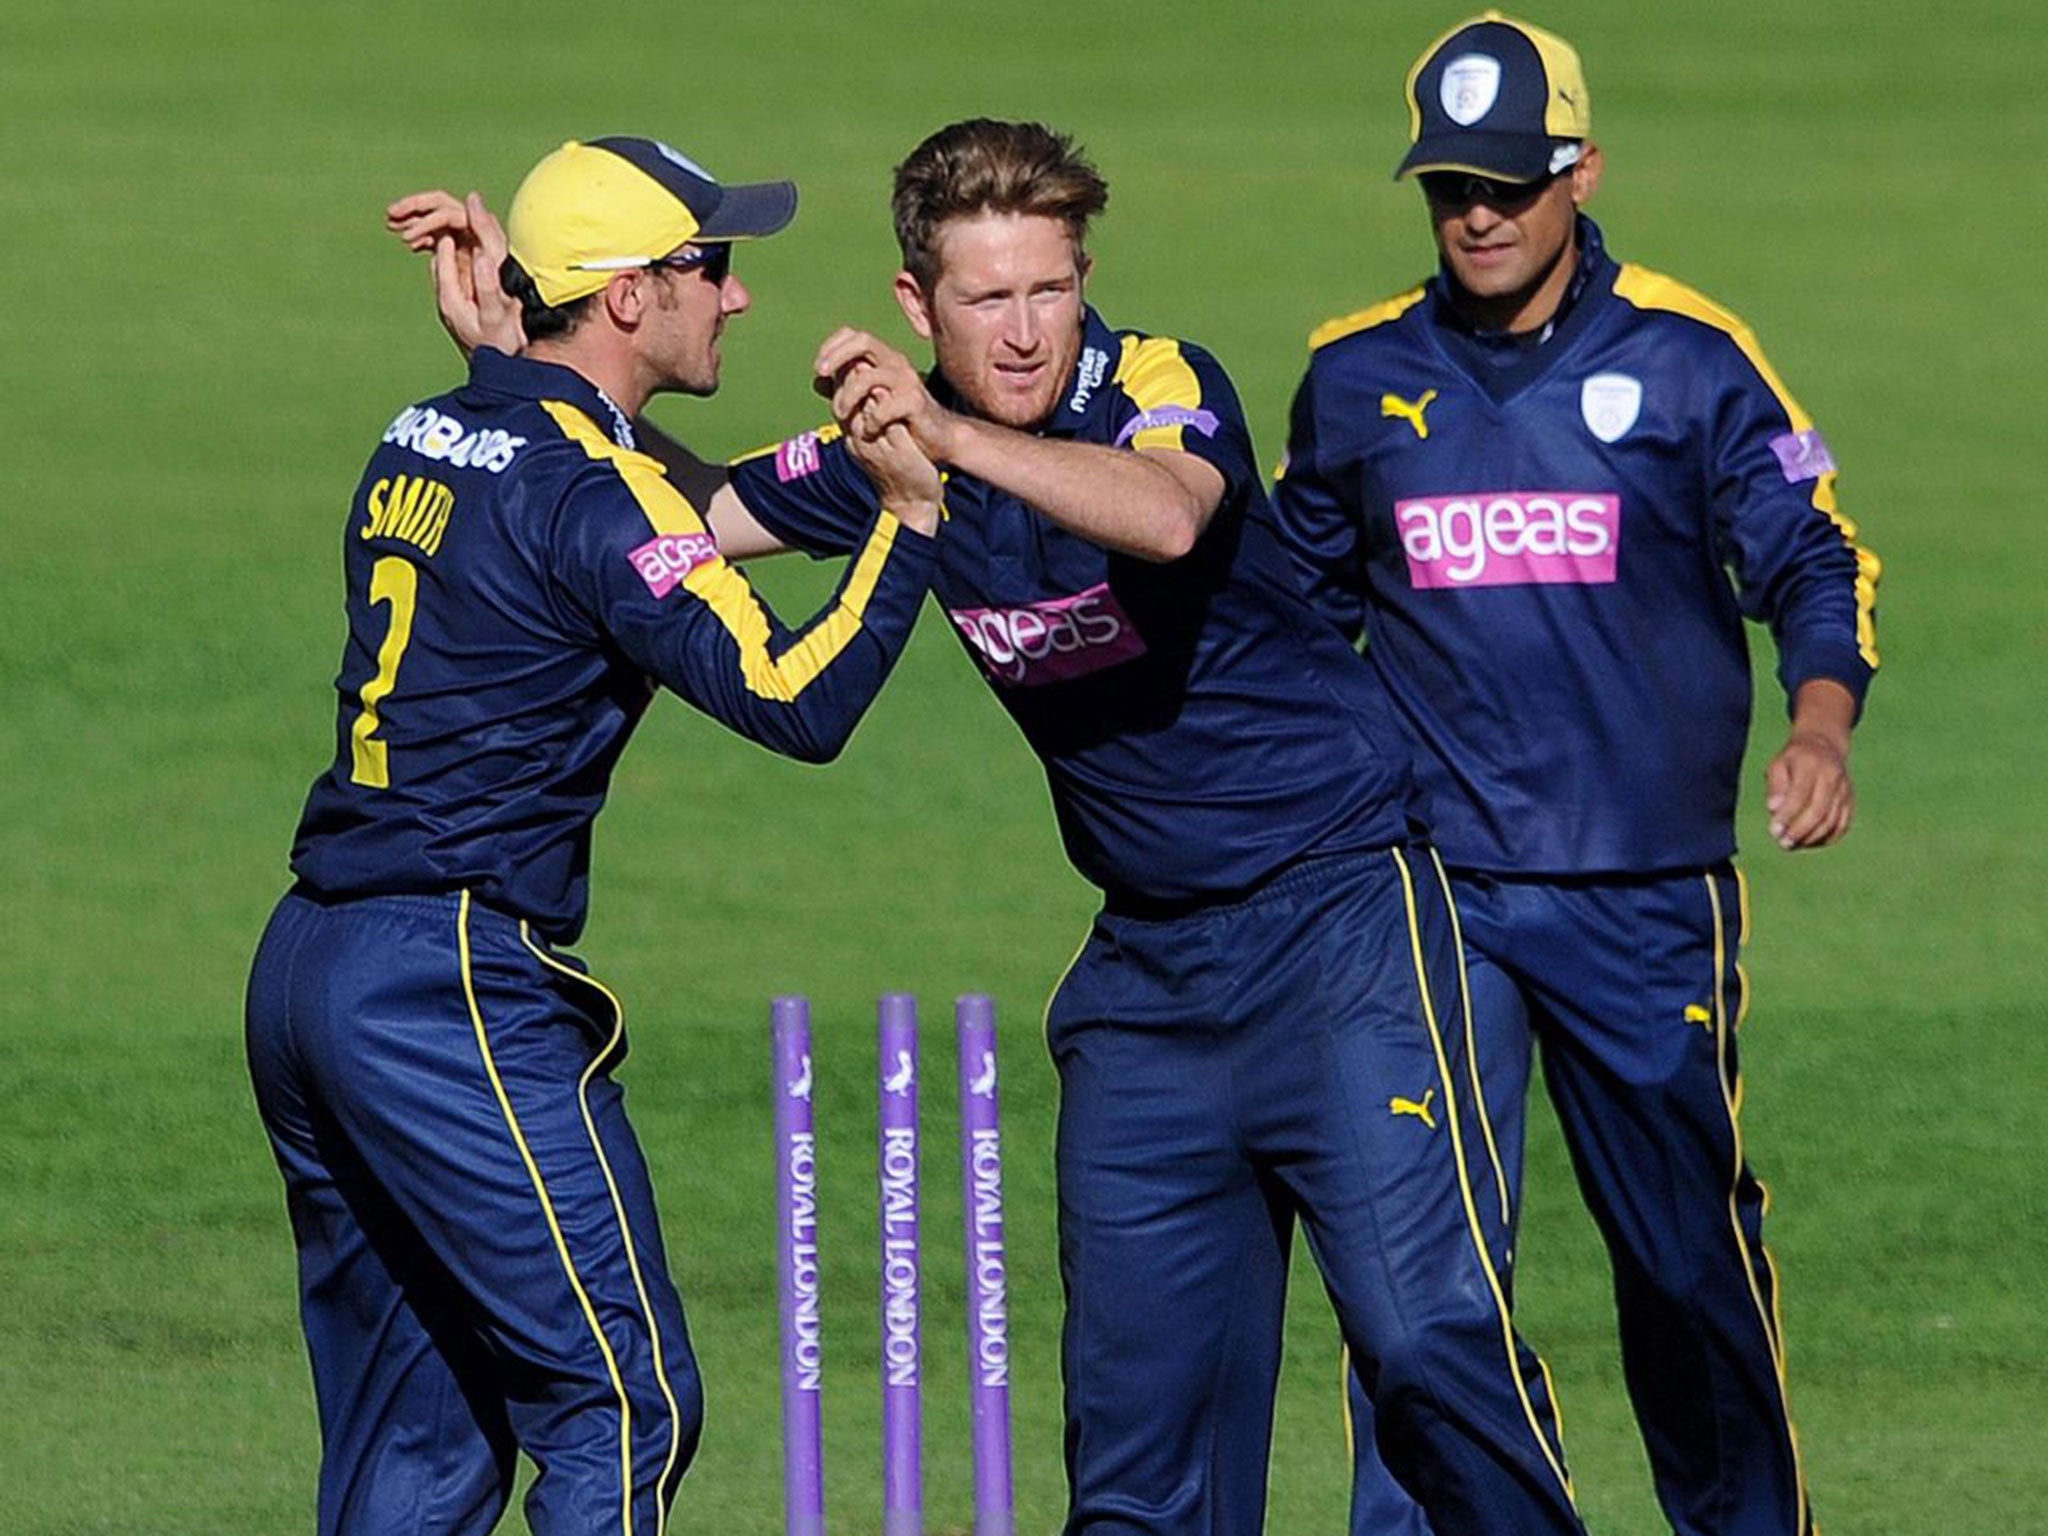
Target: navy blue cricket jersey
1200, 728
1538, 541
519, 581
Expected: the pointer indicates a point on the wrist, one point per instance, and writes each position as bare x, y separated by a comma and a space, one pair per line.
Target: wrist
1823, 715
917, 513
1820, 738
952, 435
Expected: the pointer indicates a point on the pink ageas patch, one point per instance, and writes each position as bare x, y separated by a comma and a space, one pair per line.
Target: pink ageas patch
798, 457
664, 562
1050, 641
1510, 538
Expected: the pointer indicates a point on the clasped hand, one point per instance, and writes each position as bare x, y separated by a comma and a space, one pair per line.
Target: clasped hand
894, 429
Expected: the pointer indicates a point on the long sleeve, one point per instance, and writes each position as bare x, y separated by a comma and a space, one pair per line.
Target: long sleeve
637, 559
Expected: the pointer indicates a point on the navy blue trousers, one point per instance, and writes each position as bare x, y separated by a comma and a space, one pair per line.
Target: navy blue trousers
1633, 989
480, 1267
1301, 1055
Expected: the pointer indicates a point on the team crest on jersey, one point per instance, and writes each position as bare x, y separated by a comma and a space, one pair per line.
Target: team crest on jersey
1469, 88
1610, 402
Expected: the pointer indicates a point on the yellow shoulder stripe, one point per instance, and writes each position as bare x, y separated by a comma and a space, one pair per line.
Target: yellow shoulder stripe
1364, 319
1155, 375
719, 585
1653, 290
666, 507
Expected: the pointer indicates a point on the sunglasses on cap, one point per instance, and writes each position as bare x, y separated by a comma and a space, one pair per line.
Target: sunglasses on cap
1461, 189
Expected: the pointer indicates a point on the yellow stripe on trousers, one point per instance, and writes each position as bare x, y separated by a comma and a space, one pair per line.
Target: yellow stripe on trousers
1551, 1454
675, 1418
1768, 1315
547, 1206
1500, 1177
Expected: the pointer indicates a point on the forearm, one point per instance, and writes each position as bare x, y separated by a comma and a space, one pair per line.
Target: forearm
798, 692
1134, 503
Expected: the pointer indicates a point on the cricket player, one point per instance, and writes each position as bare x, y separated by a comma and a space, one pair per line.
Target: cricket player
481, 1270
1548, 488
1265, 1023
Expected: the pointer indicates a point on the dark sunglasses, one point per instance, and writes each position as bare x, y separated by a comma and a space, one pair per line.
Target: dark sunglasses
1461, 189
714, 261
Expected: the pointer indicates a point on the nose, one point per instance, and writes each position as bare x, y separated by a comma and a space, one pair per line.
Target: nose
1480, 216
1020, 326
733, 297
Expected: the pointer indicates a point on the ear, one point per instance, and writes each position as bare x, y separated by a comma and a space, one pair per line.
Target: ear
1586, 176
915, 304
625, 298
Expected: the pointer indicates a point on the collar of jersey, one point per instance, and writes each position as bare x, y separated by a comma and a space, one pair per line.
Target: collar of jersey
527, 378
1502, 367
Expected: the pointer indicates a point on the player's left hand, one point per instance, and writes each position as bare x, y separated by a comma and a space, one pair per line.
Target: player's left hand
1809, 794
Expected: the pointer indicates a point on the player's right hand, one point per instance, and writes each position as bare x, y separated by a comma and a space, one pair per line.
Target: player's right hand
907, 482
469, 247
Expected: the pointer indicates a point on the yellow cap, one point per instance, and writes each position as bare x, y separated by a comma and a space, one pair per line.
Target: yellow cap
589, 210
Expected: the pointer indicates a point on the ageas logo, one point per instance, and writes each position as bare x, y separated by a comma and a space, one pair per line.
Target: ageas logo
798, 457
1051, 641
664, 562
1510, 538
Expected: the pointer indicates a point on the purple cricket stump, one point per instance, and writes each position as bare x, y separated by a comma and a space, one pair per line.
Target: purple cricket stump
796, 1209
988, 1290
902, 1354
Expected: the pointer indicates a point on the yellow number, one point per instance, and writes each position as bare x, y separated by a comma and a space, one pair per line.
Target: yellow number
392, 581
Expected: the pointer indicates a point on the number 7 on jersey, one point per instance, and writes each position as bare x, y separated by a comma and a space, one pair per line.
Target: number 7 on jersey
393, 580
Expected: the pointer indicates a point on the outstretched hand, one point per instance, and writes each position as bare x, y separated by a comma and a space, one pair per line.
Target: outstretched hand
468, 245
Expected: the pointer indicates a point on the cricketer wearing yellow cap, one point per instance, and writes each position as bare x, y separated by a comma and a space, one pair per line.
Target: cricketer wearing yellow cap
481, 1270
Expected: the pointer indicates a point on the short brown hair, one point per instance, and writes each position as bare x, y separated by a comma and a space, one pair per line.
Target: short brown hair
983, 165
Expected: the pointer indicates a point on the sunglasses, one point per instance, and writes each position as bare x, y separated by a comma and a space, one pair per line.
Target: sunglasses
1461, 189
714, 261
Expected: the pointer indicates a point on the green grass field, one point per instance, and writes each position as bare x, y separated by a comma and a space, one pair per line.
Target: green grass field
207, 329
